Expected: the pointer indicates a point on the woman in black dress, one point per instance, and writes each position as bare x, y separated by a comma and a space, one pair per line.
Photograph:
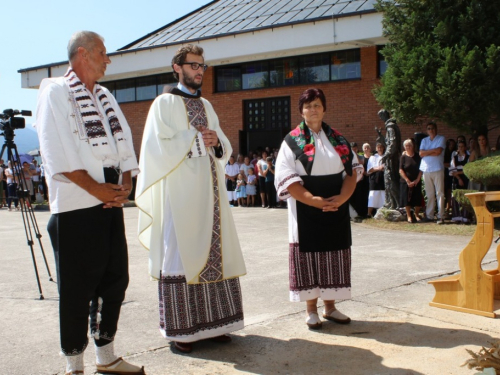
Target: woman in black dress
460, 181
411, 181
451, 148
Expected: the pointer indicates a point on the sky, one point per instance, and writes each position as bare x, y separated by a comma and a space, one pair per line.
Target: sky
34, 33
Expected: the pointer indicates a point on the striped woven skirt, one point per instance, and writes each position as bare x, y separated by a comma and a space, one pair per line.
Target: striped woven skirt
325, 275
192, 312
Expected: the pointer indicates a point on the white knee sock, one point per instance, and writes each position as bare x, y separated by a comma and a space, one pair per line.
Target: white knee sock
74, 362
105, 354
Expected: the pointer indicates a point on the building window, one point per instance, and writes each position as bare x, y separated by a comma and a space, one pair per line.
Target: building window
228, 79
284, 72
267, 114
111, 86
165, 80
314, 68
255, 75
346, 65
125, 91
146, 88
382, 64
137, 89
306, 69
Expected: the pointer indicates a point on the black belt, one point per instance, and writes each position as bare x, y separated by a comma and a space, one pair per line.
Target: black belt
112, 175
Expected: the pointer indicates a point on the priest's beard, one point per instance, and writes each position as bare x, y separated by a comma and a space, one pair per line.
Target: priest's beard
189, 82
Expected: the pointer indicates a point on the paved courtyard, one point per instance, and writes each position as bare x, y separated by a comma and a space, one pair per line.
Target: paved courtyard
394, 330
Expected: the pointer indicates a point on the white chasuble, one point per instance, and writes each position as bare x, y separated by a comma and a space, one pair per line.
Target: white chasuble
175, 194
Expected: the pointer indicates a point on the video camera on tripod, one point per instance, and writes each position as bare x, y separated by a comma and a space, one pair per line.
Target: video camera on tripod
21, 195
8, 121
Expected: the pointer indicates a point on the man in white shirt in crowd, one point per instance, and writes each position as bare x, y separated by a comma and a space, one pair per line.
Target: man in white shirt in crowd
432, 166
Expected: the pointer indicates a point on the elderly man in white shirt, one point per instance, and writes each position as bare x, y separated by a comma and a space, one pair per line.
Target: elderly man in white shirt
89, 160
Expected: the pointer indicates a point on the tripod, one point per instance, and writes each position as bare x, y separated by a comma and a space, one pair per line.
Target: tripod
23, 195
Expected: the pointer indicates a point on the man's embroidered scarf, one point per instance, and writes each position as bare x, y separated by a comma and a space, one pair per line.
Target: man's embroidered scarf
301, 142
89, 122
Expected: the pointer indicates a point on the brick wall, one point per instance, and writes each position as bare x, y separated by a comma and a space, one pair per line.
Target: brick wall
351, 107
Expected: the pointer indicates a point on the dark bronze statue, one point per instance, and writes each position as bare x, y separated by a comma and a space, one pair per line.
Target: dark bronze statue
391, 159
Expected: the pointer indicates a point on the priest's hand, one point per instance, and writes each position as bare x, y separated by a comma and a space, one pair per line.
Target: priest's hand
210, 137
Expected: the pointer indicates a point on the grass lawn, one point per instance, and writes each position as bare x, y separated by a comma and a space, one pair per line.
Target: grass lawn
447, 228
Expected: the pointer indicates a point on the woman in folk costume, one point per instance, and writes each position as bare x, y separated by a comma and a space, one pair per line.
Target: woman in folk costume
184, 220
375, 171
317, 172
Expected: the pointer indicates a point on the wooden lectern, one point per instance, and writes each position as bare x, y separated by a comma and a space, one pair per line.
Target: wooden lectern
473, 290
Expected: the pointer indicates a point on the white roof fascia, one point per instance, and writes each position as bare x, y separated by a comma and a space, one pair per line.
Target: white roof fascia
291, 40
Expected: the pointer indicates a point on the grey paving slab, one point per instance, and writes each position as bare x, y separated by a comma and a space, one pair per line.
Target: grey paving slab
394, 330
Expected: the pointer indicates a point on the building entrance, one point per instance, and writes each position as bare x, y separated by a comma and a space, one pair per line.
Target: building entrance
266, 122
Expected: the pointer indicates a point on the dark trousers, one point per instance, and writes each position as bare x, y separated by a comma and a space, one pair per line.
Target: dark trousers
91, 257
12, 194
45, 187
271, 194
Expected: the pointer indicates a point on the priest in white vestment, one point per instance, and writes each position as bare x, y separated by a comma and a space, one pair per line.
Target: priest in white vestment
184, 220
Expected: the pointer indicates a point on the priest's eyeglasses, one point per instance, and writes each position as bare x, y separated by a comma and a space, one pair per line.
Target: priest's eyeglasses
196, 66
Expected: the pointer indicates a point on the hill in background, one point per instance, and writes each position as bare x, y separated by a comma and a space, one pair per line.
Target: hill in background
25, 139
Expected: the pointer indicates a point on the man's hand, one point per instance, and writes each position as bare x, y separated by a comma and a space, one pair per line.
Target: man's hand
210, 137
110, 194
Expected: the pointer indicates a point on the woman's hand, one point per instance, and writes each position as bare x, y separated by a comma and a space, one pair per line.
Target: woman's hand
334, 202
324, 204
318, 202
460, 181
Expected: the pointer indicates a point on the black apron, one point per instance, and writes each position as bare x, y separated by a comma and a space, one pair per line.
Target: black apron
323, 231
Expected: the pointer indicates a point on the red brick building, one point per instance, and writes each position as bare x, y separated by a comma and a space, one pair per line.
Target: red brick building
261, 54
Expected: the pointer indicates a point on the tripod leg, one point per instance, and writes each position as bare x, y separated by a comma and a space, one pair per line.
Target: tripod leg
26, 208
39, 236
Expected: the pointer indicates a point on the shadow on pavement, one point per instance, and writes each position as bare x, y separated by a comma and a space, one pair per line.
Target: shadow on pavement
408, 334
270, 356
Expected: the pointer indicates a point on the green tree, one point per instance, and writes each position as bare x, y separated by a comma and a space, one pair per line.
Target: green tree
443, 62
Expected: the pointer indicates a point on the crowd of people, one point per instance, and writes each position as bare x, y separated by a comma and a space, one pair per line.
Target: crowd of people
10, 183
250, 179
438, 165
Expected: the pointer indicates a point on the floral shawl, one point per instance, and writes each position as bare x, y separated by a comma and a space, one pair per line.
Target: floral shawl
301, 143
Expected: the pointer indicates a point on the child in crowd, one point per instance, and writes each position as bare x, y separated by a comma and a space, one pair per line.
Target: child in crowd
245, 166
250, 188
241, 194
